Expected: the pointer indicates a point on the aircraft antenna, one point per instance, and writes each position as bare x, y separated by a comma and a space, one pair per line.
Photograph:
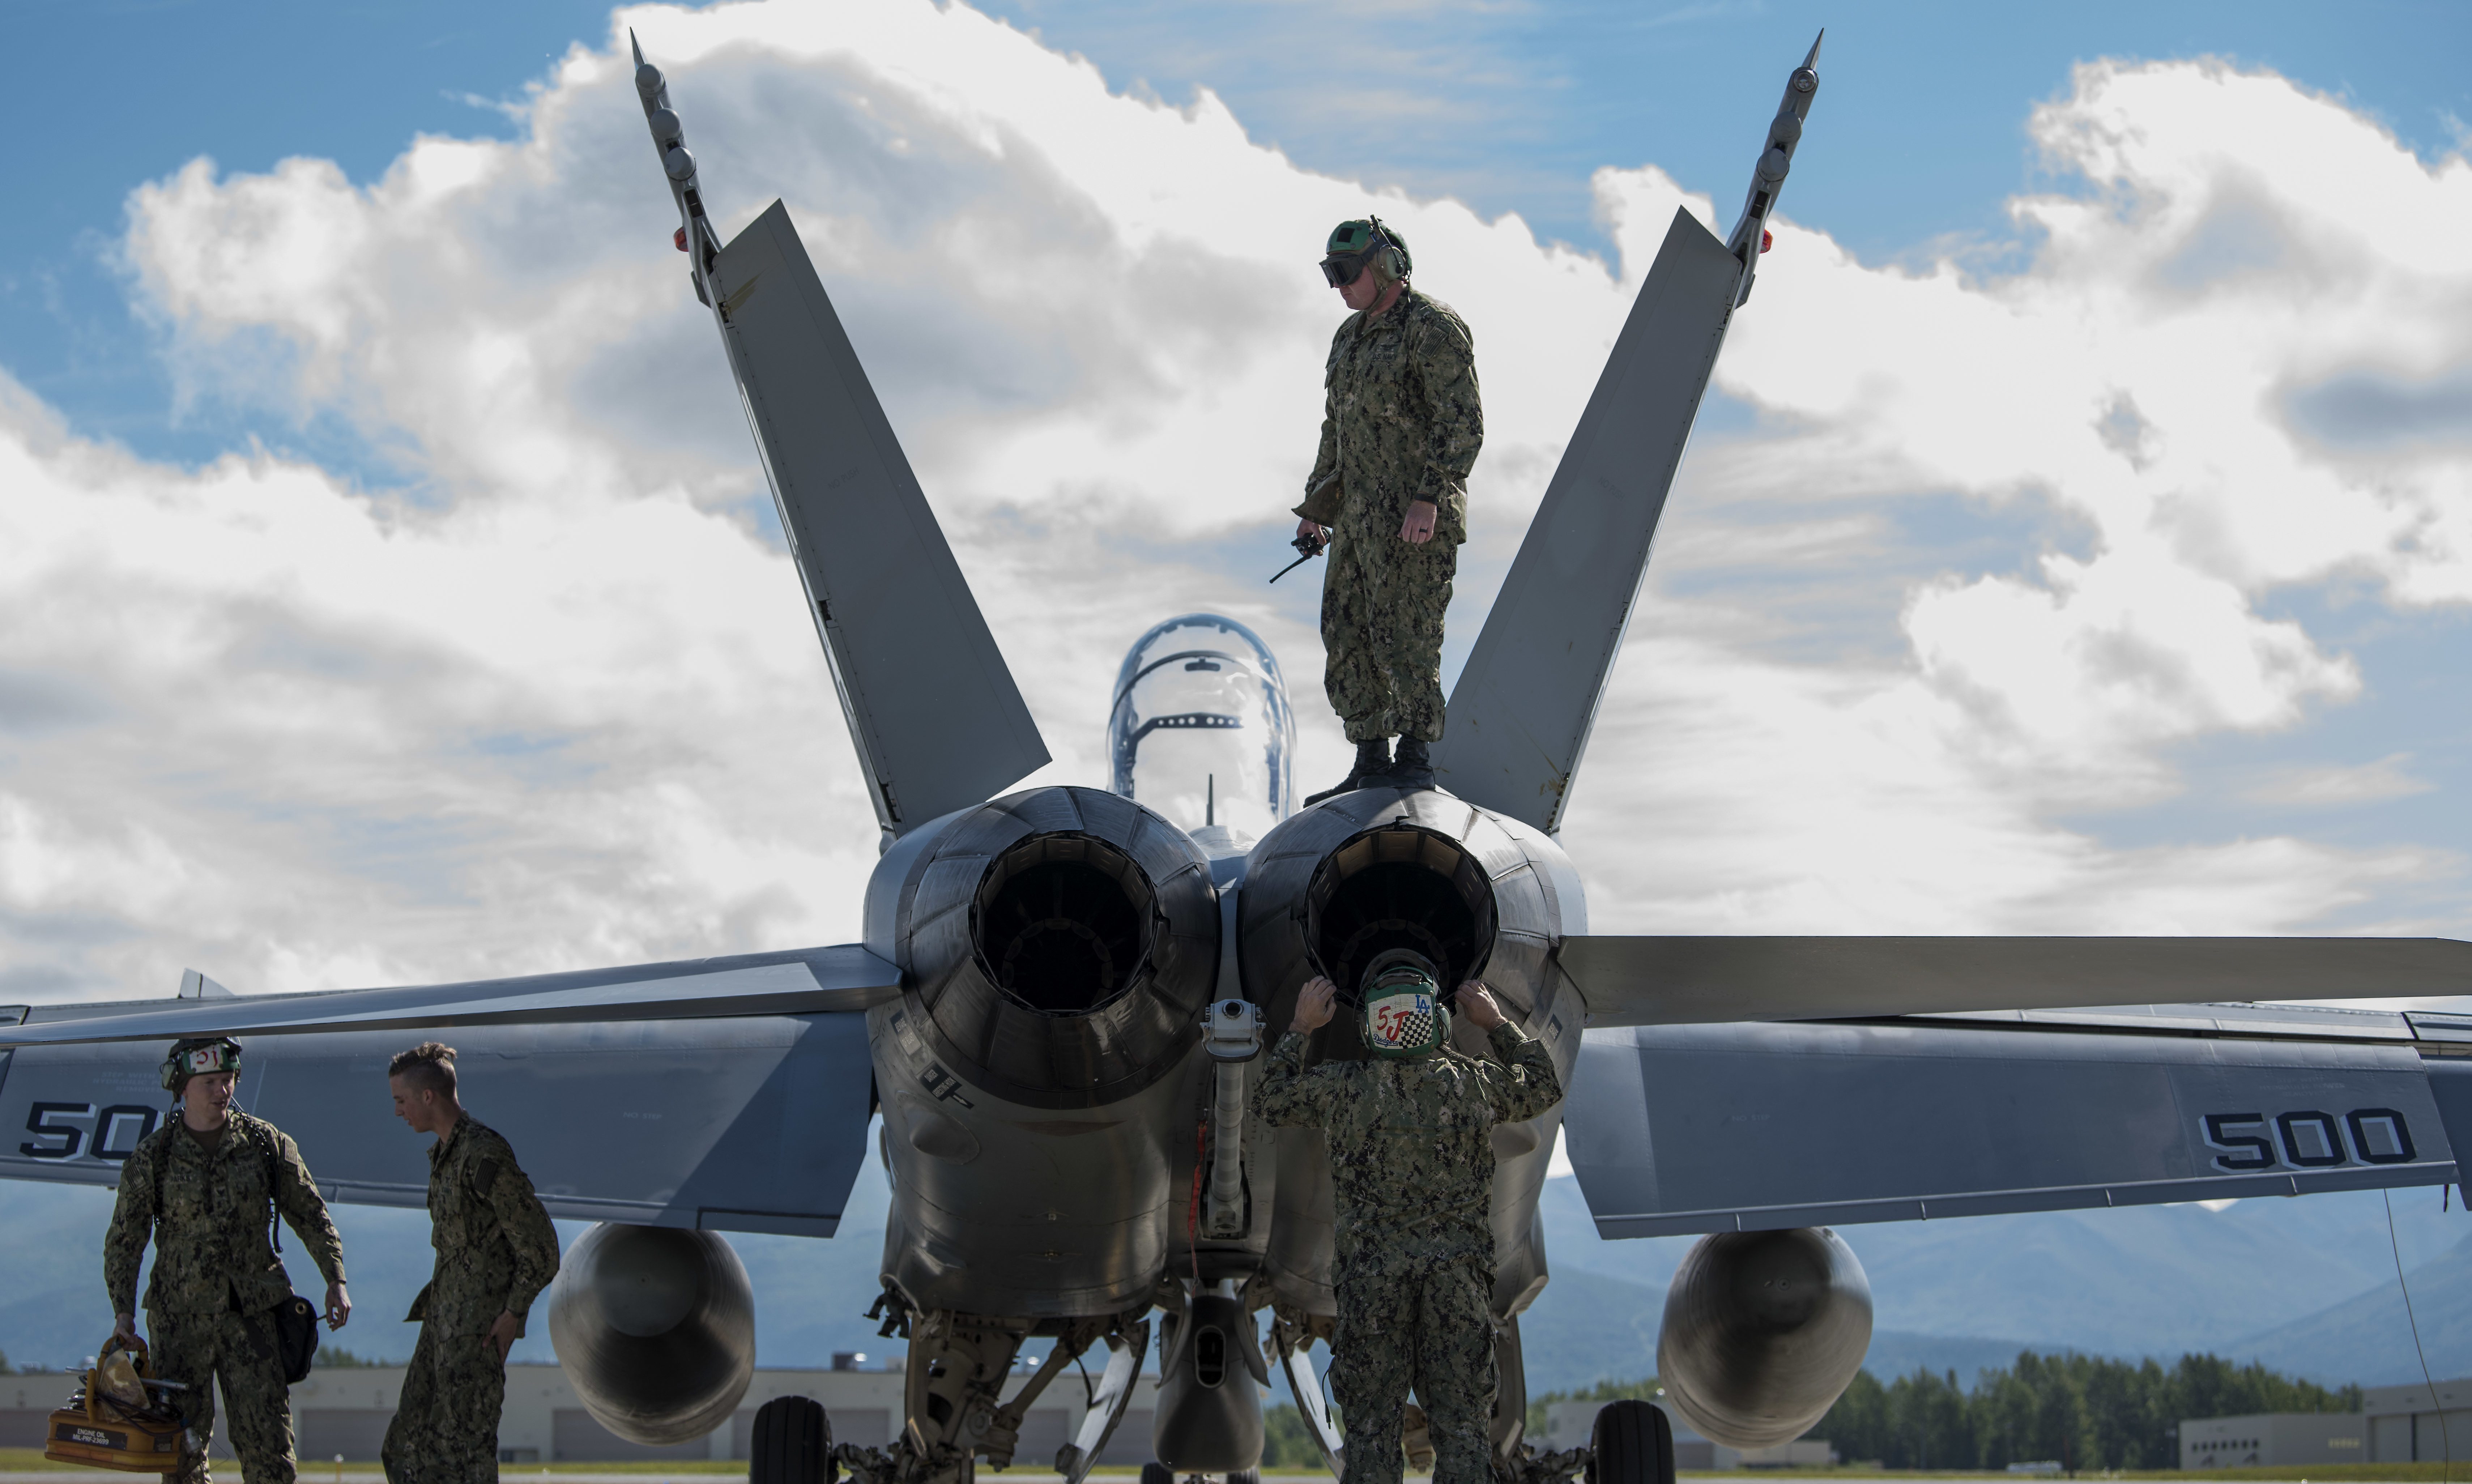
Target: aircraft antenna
2445, 1445
1210, 802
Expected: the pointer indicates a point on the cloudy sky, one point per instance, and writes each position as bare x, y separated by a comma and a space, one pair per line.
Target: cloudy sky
2078, 539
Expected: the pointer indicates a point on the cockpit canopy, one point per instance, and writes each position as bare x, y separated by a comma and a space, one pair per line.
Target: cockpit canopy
1201, 730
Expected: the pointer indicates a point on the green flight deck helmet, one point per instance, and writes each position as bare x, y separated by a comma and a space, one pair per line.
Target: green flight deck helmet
1362, 242
196, 1056
1404, 1016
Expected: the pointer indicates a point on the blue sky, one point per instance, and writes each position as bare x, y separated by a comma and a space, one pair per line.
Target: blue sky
1508, 106
2076, 539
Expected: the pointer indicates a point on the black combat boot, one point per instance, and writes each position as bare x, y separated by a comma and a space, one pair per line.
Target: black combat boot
1372, 758
1414, 767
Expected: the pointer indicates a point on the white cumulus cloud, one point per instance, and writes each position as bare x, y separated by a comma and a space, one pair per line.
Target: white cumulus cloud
528, 685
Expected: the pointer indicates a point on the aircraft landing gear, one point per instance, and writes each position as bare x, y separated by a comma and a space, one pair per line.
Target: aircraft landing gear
791, 1442
1633, 1444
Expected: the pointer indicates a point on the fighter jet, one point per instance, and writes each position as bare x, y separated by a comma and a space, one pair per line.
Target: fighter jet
1062, 993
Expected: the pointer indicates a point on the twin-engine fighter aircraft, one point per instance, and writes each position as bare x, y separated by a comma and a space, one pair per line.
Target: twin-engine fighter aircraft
1061, 994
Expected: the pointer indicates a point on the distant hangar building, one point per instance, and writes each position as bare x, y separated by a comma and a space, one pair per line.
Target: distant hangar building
2395, 1425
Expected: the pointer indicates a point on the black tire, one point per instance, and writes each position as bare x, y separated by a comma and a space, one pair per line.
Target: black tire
1156, 1472
791, 1442
1633, 1443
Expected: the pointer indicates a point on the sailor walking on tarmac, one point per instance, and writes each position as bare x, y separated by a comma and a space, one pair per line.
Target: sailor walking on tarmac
204, 1188
1401, 429
1409, 1133
496, 1252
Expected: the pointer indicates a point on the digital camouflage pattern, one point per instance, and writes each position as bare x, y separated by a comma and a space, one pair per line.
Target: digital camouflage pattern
1382, 607
1412, 1177
211, 1236
238, 1349
496, 1252
1401, 422
1422, 1326
445, 1426
209, 1307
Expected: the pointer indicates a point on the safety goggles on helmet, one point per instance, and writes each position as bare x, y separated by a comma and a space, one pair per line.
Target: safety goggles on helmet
1352, 248
198, 1057
1404, 1016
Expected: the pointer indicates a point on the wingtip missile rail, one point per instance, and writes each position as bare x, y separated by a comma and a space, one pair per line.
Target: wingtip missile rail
1749, 237
695, 236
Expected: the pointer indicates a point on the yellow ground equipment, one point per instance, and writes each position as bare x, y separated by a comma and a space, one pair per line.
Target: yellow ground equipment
119, 1418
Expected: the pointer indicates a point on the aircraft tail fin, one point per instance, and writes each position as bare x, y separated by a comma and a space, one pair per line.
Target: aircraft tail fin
1519, 718
938, 720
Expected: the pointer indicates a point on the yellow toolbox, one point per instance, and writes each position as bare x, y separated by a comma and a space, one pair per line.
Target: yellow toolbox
118, 1418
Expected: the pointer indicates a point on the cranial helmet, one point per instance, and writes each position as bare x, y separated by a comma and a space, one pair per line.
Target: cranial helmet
1363, 243
197, 1057
1403, 1006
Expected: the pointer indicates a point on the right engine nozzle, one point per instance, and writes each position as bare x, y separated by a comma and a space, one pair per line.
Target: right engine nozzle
1763, 1331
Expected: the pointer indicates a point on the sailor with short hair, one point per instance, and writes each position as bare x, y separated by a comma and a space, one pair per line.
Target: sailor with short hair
496, 1252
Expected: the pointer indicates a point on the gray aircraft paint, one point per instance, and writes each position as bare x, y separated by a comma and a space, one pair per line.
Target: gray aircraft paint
1741, 1127
744, 1124
1666, 981
845, 977
1519, 718
887, 597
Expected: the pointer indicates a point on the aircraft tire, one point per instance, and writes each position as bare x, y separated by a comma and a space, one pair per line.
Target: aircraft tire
1156, 1472
791, 1442
1633, 1443
1246, 1477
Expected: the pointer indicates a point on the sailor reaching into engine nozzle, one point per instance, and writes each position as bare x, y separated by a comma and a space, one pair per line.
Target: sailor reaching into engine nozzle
1411, 1139
1401, 425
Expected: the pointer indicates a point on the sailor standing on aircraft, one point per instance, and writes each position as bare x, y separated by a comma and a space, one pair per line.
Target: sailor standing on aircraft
1401, 425
496, 1252
204, 1188
1411, 1138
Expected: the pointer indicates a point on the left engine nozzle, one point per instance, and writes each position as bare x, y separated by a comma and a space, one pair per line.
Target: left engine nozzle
1763, 1331
655, 1328
1059, 942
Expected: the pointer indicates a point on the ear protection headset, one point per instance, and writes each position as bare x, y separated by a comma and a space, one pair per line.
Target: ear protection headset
1355, 245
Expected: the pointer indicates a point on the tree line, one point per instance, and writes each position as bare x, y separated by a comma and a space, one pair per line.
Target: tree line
2080, 1411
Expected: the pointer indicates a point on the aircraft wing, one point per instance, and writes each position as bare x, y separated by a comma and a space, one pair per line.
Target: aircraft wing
845, 977
1747, 1127
754, 1123
1658, 981
939, 723
729, 1094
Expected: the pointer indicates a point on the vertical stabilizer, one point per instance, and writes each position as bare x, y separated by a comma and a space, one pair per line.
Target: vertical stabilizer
939, 723
1519, 718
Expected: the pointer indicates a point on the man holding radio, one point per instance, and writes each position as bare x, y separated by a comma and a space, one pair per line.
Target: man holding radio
1401, 425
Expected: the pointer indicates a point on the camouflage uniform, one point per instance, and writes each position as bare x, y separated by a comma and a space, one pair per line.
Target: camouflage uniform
1400, 422
209, 1307
496, 1251
1412, 1167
